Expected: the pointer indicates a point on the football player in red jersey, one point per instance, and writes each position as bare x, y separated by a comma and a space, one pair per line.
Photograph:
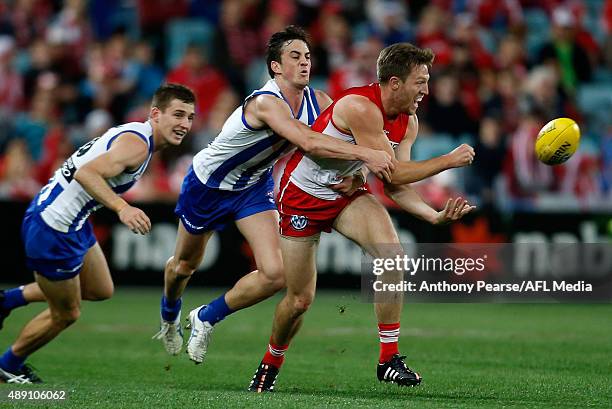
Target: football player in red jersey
318, 195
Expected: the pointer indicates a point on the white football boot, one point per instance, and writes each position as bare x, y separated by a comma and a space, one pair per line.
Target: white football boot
171, 335
201, 332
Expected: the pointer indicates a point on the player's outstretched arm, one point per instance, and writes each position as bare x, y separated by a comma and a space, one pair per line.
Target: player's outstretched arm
276, 114
127, 152
414, 171
410, 201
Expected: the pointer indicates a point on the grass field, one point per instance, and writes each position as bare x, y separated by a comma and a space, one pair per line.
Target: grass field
470, 355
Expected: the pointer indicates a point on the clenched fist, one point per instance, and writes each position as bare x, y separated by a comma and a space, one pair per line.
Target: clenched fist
463, 155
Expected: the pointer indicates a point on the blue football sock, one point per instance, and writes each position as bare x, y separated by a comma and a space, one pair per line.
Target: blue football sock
11, 362
170, 309
13, 298
215, 311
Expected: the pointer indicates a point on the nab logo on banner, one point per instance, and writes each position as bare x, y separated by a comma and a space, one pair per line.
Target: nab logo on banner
299, 222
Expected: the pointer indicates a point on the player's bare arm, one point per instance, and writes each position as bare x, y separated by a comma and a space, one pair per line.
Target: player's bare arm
349, 184
357, 115
413, 171
323, 99
127, 152
273, 112
410, 201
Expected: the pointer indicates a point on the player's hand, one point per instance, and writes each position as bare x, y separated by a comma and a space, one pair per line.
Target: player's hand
463, 155
349, 185
454, 210
135, 219
381, 164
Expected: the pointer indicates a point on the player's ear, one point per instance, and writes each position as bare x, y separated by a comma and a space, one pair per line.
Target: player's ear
276, 67
395, 83
155, 113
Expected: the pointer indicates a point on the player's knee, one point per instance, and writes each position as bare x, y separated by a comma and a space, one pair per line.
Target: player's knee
184, 268
66, 317
301, 303
99, 294
274, 277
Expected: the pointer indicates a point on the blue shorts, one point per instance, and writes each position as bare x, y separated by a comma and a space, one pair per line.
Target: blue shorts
53, 254
202, 208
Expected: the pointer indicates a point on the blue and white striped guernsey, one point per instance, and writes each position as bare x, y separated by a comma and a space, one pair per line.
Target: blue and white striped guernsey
240, 156
63, 204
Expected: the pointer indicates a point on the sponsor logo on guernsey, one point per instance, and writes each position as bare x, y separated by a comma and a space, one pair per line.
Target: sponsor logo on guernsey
299, 222
270, 195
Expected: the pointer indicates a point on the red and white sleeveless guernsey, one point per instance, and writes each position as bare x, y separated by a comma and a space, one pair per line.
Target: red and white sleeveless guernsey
306, 203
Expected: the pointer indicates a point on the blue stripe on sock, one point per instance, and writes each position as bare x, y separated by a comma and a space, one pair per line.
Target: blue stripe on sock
11, 362
215, 311
169, 309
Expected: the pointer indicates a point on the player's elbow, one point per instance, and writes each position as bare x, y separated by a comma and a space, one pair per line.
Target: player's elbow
83, 174
79, 174
391, 188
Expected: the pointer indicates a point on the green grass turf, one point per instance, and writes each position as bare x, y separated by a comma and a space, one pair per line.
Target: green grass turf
470, 355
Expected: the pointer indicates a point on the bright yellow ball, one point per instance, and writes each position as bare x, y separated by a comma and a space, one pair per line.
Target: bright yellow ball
557, 141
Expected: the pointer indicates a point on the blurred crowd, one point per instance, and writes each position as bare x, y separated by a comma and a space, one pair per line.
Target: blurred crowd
71, 69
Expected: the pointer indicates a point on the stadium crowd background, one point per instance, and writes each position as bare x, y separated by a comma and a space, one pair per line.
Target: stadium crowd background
71, 69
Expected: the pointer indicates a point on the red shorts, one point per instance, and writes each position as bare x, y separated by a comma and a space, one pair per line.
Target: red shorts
304, 215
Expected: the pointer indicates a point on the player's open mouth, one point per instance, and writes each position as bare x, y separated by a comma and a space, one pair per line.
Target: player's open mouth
418, 99
180, 134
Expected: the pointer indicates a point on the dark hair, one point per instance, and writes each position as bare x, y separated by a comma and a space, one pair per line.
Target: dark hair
399, 59
278, 40
168, 92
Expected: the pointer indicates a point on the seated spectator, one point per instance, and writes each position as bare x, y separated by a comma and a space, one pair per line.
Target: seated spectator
388, 21
144, 73
16, 173
526, 175
32, 126
206, 81
11, 82
445, 111
542, 93
431, 33
490, 151
359, 70
564, 53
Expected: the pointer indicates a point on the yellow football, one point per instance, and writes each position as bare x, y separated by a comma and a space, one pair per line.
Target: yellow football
557, 141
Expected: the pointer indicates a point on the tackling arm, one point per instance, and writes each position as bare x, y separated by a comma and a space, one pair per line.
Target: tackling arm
276, 114
323, 100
